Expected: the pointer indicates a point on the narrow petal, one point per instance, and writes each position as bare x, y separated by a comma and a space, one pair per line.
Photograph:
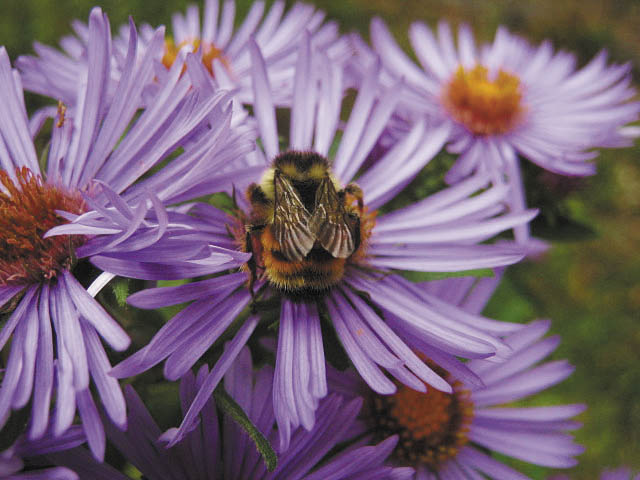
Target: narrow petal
214, 377
284, 403
200, 339
24, 306
92, 424
25, 385
44, 369
365, 366
164, 296
89, 308
108, 387
264, 109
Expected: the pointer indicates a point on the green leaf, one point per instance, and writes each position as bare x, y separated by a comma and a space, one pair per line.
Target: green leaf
333, 149
235, 411
224, 202
44, 157
428, 276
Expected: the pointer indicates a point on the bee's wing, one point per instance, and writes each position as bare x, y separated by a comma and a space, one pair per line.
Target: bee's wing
290, 220
329, 222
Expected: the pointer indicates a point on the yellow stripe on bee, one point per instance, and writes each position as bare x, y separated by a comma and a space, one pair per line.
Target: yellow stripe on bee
317, 172
304, 274
267, 184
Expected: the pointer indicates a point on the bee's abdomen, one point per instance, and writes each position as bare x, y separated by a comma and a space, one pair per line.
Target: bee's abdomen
314, 275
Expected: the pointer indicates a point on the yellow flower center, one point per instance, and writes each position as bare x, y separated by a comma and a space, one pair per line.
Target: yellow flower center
209, 53
27, 212
484, 106
432, 426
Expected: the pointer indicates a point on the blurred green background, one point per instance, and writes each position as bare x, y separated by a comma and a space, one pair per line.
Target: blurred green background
589, 283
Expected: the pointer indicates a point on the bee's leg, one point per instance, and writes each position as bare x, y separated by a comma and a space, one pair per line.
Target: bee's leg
251, 263
356, 191
234, 197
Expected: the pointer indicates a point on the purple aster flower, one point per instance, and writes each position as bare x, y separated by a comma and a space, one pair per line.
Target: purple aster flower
96, 153
510, 99
24, 451
222, 48
354, 291
215, 451
451, 435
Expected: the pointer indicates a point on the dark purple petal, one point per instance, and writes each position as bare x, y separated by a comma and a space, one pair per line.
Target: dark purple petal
284, 403
365, 365
26, 303
68, 328
90, 310
546, 449
98, 66
489, 466
355, 126
6, 294
14, 130
43, 384
214, 377
524, 384
396, 344
13, 369
354, 461
164, 296
169, 337
307, 448
198, 341
24, 388
108, 387
215, 263
263, 106
91, 424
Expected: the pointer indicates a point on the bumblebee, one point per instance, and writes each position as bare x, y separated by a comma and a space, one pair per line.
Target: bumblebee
303, 227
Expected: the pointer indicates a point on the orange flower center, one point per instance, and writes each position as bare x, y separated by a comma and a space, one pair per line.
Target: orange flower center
432, 426
209, 53
484, 106
27, 212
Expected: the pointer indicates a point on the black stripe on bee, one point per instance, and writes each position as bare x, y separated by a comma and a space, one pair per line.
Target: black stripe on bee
256, 195
302, 161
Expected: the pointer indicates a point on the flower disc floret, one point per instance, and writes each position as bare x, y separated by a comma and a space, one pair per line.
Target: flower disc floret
209, 52
27, 211
484, 105
432, 426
